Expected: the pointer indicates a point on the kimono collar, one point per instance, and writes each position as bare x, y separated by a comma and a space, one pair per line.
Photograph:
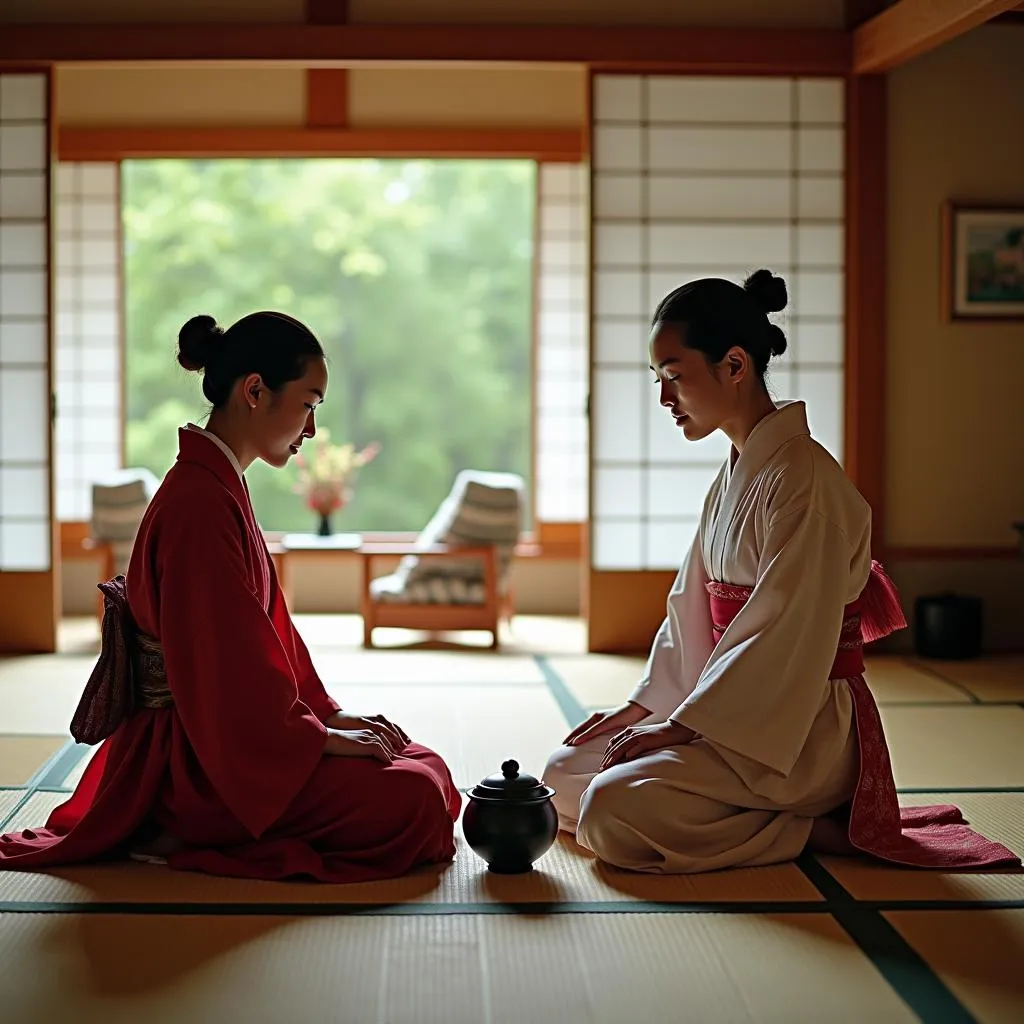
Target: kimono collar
220, 444
198, 447
787, 422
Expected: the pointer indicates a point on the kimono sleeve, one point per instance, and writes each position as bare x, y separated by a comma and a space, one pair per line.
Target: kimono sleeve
227, 669
682, 645
767, 678
311, 689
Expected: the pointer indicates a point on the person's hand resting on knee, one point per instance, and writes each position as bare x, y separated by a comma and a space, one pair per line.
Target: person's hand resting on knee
601, 723
638, 740
354, 735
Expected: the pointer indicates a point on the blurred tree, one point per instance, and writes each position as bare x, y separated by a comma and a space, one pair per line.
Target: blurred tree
416, 276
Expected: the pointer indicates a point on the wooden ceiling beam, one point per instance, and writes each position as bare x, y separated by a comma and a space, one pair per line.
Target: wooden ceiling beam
910, 28
134, 142
605, 48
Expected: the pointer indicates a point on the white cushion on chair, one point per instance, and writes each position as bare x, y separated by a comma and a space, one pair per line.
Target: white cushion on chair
483, 508
119, 501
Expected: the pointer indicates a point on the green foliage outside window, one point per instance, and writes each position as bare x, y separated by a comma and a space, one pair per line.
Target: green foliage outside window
416, 276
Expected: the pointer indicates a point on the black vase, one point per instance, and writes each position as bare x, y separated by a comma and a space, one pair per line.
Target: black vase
325, 525
510, 821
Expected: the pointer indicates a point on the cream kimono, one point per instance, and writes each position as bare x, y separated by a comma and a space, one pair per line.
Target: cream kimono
777, 742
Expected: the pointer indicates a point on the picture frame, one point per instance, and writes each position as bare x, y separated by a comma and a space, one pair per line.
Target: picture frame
983, 262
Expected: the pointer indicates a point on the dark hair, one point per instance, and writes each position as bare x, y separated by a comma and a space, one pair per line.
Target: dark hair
719, 314
274, 345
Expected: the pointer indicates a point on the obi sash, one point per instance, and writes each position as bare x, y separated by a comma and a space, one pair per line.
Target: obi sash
924, 837
129, 675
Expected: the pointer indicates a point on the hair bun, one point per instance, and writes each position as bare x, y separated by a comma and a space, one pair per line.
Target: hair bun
768, 291
776, 340
198, 341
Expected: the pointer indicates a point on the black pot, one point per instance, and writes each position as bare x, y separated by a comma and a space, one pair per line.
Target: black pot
510, 821
948, 627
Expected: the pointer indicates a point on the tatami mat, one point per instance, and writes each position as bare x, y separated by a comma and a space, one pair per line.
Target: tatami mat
599, 680
22, 756
424, 668
896, 681
8, 801
566, 874
999, 816
989, 679
38, 695
978, 955
475, 729
955, 747
603, 680
478, 970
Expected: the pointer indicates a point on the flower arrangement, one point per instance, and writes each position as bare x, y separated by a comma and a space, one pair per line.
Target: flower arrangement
326, 475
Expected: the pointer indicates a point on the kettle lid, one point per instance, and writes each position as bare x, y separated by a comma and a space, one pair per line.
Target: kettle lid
511, 785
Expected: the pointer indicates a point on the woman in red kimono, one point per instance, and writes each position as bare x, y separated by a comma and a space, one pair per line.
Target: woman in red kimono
223, 752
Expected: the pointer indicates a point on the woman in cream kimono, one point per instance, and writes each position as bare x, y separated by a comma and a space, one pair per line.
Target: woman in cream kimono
752, 732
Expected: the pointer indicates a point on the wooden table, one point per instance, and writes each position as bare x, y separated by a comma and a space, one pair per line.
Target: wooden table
309, 544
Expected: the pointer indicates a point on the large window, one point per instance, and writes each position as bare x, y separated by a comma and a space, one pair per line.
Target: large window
416, 275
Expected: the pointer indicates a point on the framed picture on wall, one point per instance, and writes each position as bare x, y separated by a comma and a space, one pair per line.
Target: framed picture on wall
983, 262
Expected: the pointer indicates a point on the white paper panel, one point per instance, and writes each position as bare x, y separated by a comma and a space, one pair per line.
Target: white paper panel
719, 100
678, 491
820, 245
666, 543
819, 342
22, 147
617, 341
618, 245
720, 149
616, 414
99, 180
708, 197
22, 97
617, 545
821, 100
24, 415
23, 292
561, 458
23, 341
618, 491
780, 381
822, 390
733, 174
617, 195
24, 491
820, 198
22, 245
817, 294
100, 253
617, 98
22, 195
745, 245
25, 546
98, 217
619, 293
618, 148
820, 149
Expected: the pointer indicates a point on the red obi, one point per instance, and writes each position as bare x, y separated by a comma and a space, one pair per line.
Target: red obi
875, 614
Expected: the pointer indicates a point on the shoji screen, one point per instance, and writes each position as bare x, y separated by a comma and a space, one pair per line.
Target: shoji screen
697, 177
87, 358
25, 521
560, 474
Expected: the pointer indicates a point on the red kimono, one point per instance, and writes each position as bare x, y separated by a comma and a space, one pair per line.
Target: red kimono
236, 768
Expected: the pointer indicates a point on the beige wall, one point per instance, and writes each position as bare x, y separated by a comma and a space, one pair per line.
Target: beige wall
752, 13
955, 404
